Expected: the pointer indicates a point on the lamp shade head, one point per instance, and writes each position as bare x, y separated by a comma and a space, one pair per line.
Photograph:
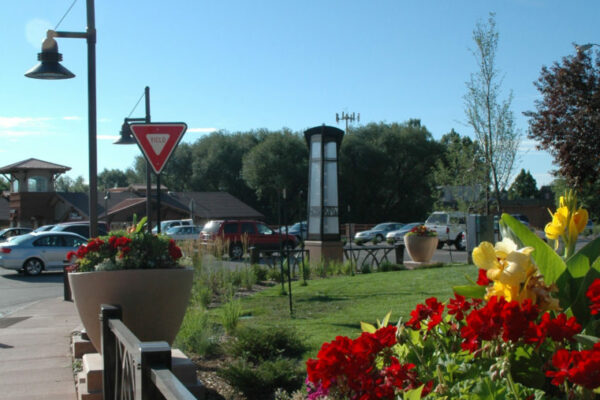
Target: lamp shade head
49, 66
126, 136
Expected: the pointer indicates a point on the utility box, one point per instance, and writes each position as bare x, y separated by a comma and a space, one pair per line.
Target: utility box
480, 228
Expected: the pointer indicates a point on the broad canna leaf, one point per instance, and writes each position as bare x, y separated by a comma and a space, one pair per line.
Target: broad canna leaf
550, 264
590, 250
414, 394
472, 291
366, 327
581, 305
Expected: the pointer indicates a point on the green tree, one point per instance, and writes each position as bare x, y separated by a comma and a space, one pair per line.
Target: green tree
67, 184
566, 122
386, 172
112, 178
491, 119
523, 187
460, 173
279, 161
4, 184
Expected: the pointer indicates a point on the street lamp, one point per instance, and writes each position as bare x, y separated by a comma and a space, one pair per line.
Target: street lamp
50, 68
127, 138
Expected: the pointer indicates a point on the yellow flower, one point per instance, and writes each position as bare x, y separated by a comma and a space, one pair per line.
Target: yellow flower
556, 228
500, 289
504, 262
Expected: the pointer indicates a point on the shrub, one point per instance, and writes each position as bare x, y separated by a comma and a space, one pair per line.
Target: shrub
196, 334
262, 381
260, 272
201, 295
255, 345
388, 266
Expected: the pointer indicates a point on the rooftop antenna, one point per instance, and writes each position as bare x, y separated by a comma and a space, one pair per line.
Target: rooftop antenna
347, 117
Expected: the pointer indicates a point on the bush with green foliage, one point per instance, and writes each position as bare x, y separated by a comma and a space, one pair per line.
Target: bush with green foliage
255, 345
197, 334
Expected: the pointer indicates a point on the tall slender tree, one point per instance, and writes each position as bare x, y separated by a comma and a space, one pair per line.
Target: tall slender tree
490, 117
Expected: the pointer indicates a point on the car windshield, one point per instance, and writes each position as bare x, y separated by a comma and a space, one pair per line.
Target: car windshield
380, 227
211, 227
20, 239
437, 219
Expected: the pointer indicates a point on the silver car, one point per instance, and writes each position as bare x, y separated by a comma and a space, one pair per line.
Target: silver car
33, 253
184, 232
398, 235
378, 232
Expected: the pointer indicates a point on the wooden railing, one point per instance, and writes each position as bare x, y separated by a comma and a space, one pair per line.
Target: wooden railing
135, 370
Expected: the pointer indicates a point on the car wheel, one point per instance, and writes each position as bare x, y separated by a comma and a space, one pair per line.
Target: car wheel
378, 238
459, 243
33, 267
288, 246
440, 244
236, 251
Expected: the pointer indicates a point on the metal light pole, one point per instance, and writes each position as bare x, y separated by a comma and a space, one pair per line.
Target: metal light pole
50, 68
127, 138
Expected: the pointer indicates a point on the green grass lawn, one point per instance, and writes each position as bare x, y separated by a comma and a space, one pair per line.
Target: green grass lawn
335, 306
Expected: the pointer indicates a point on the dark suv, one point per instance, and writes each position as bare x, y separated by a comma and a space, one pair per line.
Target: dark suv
241, 232
81, 228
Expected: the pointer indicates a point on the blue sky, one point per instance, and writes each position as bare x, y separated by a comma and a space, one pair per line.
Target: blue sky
242, 65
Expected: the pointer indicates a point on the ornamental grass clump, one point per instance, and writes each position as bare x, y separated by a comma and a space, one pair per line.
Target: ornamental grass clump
528, 328
133, 249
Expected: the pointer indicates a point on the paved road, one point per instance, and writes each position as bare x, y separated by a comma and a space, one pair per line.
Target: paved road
18, 291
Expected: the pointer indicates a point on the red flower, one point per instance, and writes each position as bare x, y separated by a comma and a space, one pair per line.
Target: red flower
458, 306
432, 309
559, 328
482, 278
174, 250
593, 293
560, 360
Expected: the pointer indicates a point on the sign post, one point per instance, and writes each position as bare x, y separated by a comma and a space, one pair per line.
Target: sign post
158, 140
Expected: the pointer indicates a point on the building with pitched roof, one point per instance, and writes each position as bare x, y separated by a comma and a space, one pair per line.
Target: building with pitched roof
33, 201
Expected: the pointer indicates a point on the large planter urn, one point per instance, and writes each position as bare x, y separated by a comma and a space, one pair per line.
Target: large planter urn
153, 301
420, 248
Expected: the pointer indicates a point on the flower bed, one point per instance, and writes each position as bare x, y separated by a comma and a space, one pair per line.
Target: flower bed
527, 329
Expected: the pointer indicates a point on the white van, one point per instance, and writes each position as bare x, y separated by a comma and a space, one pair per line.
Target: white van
164, 225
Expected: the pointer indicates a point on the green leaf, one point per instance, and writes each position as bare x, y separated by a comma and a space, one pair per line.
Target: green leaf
140, 225
578, 265
366, 327
472, 291
587, 340
414, 394
550, 264
580, 305
590, 250
386, 319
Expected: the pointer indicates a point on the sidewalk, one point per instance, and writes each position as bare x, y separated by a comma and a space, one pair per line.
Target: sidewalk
35, 352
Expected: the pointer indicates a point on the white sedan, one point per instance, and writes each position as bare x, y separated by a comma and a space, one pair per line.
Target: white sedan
184, 232
35, 252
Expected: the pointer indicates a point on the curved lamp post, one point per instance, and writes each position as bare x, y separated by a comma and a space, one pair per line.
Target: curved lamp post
50, 68
127, 138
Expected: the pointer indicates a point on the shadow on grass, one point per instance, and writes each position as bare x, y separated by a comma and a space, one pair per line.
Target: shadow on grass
322, 298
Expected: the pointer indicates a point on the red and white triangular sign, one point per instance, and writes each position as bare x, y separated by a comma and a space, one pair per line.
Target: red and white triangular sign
158, 140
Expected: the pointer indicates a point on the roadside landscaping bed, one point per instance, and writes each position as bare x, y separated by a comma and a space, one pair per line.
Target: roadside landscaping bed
323, 309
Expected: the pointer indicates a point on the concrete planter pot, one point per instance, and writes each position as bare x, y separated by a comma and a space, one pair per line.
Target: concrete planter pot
153, 301
420, 248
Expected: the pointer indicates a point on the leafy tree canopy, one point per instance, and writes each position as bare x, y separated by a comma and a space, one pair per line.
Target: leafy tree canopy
112, 178
566, 121
523, 187
67, 184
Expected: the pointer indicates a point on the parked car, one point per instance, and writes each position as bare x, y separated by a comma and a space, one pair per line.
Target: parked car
184, 232
165, 225
377, 233
9, 232
450, 227
238, 233
299, 229
398, 235
80, 228
33, 253
44, 228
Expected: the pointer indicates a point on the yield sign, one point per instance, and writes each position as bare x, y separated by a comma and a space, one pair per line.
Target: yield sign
158, 140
